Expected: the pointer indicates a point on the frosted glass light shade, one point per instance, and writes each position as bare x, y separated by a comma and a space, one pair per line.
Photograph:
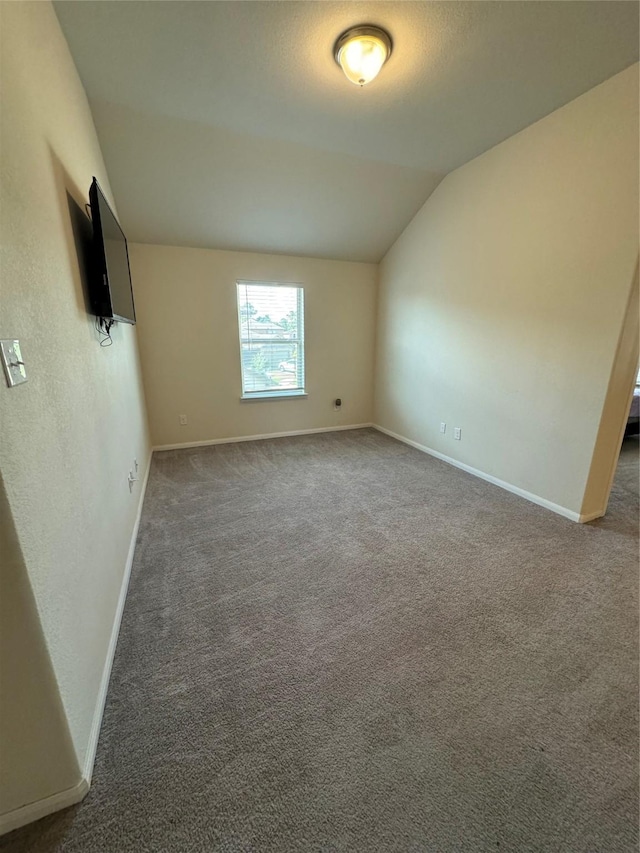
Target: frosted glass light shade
361, 52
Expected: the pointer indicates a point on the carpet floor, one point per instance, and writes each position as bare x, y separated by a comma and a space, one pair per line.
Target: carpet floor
337, 643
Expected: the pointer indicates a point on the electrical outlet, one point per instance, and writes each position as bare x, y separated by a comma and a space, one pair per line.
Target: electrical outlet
135, 465
457, 433
183, 420
131, 480
443, 427
337, 403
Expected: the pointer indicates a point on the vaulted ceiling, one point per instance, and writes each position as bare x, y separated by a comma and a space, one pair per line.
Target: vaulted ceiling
229, 124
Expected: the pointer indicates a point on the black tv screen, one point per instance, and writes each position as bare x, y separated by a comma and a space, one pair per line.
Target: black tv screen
111, 292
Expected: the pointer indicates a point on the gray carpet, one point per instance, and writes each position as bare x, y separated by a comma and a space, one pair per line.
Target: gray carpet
338, 643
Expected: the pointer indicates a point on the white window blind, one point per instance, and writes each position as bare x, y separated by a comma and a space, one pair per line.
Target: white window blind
271, 323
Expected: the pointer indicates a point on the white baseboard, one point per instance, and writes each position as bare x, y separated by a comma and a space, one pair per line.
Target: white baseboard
186, 444
69, 797
41, 808
94, 735
536, 499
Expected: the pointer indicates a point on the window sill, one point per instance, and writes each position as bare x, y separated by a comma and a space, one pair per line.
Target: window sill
272, 395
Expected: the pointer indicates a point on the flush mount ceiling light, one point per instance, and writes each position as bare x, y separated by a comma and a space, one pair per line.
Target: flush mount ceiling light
361, 52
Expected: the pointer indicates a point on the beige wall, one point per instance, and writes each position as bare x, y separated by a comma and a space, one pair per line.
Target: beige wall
70, 434
37, 756
501, 304
188, 327
615, 411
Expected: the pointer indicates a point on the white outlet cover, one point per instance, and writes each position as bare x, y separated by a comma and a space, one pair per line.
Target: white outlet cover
12, 362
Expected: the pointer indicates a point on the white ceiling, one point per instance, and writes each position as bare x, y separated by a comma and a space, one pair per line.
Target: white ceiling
229, 125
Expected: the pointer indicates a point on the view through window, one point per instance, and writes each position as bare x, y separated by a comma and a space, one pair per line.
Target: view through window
271, 322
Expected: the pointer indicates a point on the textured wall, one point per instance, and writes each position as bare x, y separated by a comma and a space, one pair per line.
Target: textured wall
501, 304
619, 393
188, 327
70, 434
38, 758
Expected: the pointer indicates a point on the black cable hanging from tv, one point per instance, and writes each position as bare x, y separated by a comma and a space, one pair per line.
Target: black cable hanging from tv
103, 328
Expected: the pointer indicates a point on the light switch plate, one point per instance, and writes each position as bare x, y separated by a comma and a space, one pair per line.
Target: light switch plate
12, 362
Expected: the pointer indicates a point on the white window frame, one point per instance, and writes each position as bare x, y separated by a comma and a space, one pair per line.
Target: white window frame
275, 393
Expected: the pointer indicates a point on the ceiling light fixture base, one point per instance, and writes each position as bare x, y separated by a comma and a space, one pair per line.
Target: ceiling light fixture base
362, 51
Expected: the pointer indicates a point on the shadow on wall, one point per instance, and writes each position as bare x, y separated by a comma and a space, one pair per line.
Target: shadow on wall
78, 232
36, 747
82, 231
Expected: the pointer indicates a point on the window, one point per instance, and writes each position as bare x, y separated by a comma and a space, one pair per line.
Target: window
271, 322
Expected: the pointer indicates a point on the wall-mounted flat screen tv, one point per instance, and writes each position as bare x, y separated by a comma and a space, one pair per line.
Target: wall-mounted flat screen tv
111, 294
